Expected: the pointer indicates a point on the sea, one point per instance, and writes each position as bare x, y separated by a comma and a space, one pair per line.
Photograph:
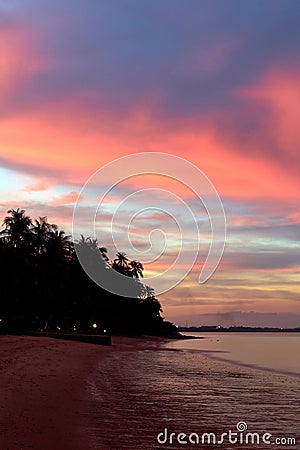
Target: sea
146, 397
278, 352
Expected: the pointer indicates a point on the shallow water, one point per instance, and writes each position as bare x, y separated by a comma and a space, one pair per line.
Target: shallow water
139, 393
278, 352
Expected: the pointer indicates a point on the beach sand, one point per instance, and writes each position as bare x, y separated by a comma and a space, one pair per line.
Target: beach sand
43, 392
63, 395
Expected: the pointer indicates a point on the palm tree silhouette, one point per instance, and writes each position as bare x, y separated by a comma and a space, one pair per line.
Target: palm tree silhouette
136, 268
121, 260
44, 286
103, 251
41, 233
58, 243
17, 227
93, 245
121, 264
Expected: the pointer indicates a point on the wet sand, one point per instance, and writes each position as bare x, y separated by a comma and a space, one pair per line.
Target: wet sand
43, 392
58, 395
182, 391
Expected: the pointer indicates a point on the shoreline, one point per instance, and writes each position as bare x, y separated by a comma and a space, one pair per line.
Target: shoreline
158, 387
271, 371
214, 353
66, 395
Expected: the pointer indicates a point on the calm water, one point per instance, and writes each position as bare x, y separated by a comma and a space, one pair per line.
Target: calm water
138, 393
278, 352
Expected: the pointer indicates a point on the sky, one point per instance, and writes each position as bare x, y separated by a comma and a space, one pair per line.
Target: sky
212, 81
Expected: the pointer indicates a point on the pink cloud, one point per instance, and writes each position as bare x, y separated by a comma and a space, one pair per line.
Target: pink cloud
39, 185
280, 91
19, 57
67, 199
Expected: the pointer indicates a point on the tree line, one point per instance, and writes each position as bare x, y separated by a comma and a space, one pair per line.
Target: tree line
44, 287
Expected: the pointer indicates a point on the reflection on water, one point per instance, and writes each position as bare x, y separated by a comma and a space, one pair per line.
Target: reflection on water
273, 351
138, 393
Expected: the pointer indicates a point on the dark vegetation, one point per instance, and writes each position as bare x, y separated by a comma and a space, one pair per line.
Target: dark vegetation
44, 287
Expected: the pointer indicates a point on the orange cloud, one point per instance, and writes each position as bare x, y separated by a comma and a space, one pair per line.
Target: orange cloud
67, 141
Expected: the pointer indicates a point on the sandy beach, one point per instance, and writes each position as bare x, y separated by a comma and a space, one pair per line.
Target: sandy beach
59, 395
43, 392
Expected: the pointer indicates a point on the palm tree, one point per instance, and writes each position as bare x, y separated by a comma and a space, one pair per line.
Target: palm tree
83, 241
41, 232
121, 265
92, 244
17, 227
91, 257
121, 259
54, 270
136, 268
58, 243
103, 251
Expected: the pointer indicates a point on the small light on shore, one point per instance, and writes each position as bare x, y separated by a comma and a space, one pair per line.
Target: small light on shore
0, 320
58, 328
94, 325
74, 328
104, 331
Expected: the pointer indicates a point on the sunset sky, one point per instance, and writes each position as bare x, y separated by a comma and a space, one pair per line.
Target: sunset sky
215, 82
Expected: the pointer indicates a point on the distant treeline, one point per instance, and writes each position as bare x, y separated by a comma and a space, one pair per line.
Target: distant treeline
44, 287
214, 328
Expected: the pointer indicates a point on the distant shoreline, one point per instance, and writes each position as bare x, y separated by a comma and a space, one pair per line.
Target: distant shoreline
218, 329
